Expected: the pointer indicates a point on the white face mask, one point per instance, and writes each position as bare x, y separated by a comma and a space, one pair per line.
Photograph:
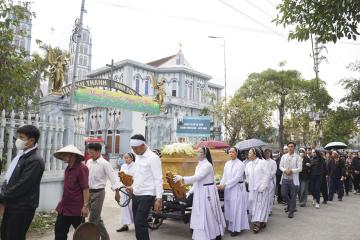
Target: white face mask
20, 144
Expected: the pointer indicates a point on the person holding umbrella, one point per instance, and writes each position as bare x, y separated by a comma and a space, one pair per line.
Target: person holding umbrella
336, 175
73, 206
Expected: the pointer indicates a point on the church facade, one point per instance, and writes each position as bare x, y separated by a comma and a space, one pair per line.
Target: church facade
187, 93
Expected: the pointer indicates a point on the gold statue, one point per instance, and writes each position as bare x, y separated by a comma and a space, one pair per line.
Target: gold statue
160, 95
57, 67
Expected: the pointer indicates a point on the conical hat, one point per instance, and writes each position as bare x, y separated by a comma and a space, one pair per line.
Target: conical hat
69, 149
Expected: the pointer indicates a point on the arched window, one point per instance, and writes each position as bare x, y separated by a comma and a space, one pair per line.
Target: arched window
147, 87
137, 84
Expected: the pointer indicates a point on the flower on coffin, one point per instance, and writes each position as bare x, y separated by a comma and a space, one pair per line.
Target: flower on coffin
178, 149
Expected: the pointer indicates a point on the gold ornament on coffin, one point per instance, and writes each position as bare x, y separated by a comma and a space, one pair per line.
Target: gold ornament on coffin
127, 180
160, 94
178, 188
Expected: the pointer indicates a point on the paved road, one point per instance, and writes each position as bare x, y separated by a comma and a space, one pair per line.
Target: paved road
334, 221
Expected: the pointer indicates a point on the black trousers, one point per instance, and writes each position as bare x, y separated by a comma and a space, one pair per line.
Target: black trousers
15, 224
347, 185
141, 206
63, 223
278, 189
324, 188
356, 181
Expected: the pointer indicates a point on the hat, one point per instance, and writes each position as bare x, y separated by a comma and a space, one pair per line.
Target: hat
302, 149
69, 149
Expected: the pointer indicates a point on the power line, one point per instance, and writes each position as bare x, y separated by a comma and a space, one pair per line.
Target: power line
258, 8
190, 19
251, 18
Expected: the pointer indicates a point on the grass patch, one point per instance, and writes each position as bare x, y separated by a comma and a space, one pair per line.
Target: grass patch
43, 222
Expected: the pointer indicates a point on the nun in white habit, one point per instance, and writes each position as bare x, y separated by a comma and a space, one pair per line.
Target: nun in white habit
272, 182
207, 220
235, 197
258, 175
126, 213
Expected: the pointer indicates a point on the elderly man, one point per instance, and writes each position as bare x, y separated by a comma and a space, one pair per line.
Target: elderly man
74, 203
147, 186
336, 176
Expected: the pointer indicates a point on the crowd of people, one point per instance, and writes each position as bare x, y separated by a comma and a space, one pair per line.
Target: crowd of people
252, 180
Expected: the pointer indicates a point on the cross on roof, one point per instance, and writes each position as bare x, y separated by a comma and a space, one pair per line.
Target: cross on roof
180, 46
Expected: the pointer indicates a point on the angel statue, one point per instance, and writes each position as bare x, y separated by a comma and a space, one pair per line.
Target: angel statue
160, 94
57, 67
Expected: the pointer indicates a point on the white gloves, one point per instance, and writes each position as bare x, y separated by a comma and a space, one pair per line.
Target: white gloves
178, 178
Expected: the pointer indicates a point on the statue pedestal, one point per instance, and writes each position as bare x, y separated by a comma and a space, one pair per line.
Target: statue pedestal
52, 105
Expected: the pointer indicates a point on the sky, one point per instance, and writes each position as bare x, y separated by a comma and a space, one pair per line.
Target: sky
146, 30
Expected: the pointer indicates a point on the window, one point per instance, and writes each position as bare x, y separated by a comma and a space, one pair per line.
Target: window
81, 59
189, 91
137, 85
198, 93
173, 92
146, 87
85, 50
85, 61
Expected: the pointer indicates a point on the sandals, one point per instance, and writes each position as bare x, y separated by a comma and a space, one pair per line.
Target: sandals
256, 227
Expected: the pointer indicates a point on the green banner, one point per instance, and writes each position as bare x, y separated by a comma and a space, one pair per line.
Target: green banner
103, 98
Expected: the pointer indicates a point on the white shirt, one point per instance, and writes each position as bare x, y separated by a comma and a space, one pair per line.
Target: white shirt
273, 167
294, 163
15, 161
99, 171
147, 175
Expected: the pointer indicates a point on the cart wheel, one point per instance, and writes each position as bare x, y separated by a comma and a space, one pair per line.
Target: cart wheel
154, 222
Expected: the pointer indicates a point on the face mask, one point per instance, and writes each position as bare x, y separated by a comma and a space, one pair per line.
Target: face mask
20, 144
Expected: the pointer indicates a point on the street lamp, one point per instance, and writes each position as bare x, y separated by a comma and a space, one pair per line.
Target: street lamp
224, 64
224, 76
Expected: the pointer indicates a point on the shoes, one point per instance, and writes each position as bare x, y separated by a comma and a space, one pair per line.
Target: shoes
218, 237
291, 215
340, 199
313, 202
286, 209
324, 202
123, 229
234, 234
302, 205
317, 206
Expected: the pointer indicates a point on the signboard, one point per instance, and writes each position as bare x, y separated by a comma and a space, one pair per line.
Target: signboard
109, 99
103, 83
193, 127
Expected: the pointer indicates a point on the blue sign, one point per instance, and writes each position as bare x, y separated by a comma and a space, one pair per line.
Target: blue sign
193, 127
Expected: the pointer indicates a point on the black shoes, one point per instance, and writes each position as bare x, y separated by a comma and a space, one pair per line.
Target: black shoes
291, 215
234, 234
123, 229
218, 237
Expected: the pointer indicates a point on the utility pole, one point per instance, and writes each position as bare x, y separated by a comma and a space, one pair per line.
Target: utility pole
70, 112
113, 135
77, 31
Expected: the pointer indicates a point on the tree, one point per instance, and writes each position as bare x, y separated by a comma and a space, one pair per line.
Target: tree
352, 87
19, 87
329, 20
246, 119
285, 91
338, 126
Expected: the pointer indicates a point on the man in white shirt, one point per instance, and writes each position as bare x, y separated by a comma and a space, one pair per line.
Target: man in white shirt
147, 185
99, 171
290, 165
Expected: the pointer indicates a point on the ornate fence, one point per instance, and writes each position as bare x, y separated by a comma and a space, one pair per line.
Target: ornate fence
51, 137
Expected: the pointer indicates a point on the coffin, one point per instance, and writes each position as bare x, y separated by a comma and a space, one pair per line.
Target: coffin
181, 164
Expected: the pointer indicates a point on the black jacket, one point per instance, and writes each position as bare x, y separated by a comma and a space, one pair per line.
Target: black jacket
337, 169
355, 164
318, 166
23, 189
304, 174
